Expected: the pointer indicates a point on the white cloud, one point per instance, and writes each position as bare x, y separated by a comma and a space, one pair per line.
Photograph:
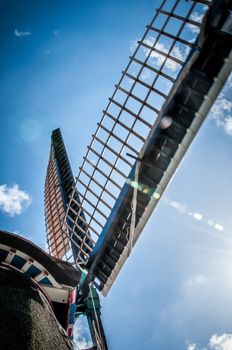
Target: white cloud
196, 17
221, 342
133, 45
81, 334
216, 342
83, 343
221, 111
228, 125
181, 54
194, 29
229, 81
176, 52
13, 200
145, 75
192, 346
20, 34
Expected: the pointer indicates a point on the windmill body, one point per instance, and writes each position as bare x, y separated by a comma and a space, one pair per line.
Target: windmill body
38, 294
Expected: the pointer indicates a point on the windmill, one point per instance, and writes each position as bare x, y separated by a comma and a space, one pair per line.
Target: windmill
159, 104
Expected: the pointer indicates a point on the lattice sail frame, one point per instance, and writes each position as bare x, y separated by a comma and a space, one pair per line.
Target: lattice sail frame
129, 116
58, 242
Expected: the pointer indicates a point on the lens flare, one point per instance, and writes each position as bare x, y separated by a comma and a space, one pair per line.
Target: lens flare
198, 216
218, 227
31, 130
166, 122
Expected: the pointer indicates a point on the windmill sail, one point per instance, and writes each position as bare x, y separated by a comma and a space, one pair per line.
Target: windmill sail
158, 105
58, 175
58, 187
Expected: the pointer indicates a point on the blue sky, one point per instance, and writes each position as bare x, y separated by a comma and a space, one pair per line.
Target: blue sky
59, 63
